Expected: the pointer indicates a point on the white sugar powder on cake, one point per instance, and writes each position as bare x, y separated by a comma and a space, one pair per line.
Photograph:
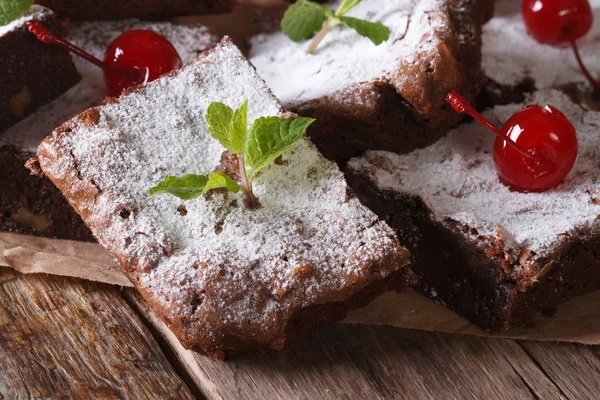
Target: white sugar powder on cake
306, 216
344, 58
456, 177
95, 37
511, 54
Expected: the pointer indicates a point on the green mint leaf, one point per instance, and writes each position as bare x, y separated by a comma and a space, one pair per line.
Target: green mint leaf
239, 129
13, 9
376, 31
269, 138
218, 180
219, 117
346, 6
227, 126
186, 187
303, 19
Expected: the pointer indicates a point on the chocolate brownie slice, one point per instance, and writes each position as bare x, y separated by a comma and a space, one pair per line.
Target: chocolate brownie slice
225, 278
494, 256
32, 73
145, 9
31, 205
390, 96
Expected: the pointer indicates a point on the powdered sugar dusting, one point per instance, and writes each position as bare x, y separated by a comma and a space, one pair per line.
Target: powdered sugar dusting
456, 177
95, 37
344, 58
510, 53
247, 262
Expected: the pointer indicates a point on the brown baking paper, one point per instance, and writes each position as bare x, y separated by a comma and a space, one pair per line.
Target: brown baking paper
29, 254
576, 321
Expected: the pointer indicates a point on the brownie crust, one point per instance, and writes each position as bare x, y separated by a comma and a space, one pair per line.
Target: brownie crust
472, 277
144, 9
32, 205
33, 73
397, 114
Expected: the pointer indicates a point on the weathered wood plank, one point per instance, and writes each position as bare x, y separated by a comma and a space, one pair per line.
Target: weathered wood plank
574, 368
538, 382
65, 338
359, 361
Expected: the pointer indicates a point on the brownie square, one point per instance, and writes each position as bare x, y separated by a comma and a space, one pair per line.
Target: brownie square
495, 256
225, 278
391, 96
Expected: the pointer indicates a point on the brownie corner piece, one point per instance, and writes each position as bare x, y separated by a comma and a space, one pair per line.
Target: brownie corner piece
33, 73
224, 277
494, 256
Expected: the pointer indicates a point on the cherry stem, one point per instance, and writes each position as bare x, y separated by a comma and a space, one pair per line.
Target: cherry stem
461, 105
585, 71
45, 36
247, 184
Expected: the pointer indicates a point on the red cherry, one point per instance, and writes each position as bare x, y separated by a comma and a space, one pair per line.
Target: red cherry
134, 58
143, 51
560, 21
535, 149
557, 21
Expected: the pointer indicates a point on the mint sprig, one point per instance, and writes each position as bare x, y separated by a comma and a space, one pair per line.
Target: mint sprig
305, 18
13, 9
255, 148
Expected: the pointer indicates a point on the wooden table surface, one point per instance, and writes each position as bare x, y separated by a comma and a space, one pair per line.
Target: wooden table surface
67, 338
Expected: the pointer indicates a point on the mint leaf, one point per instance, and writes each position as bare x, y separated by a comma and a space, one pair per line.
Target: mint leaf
13, 9
269, 138
376, 31
346, 6
227, 126
219, 117
186, 187
303, 19
239, 129
218, 180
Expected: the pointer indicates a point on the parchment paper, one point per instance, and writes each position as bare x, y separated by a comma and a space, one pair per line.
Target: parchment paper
577, 320
29, 254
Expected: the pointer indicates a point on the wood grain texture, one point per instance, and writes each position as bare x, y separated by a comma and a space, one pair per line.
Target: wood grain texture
574, 369
65, 338
374, 362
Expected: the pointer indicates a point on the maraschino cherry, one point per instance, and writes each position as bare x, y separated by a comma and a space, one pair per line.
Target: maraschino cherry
560, 22
134, 58
535, 149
